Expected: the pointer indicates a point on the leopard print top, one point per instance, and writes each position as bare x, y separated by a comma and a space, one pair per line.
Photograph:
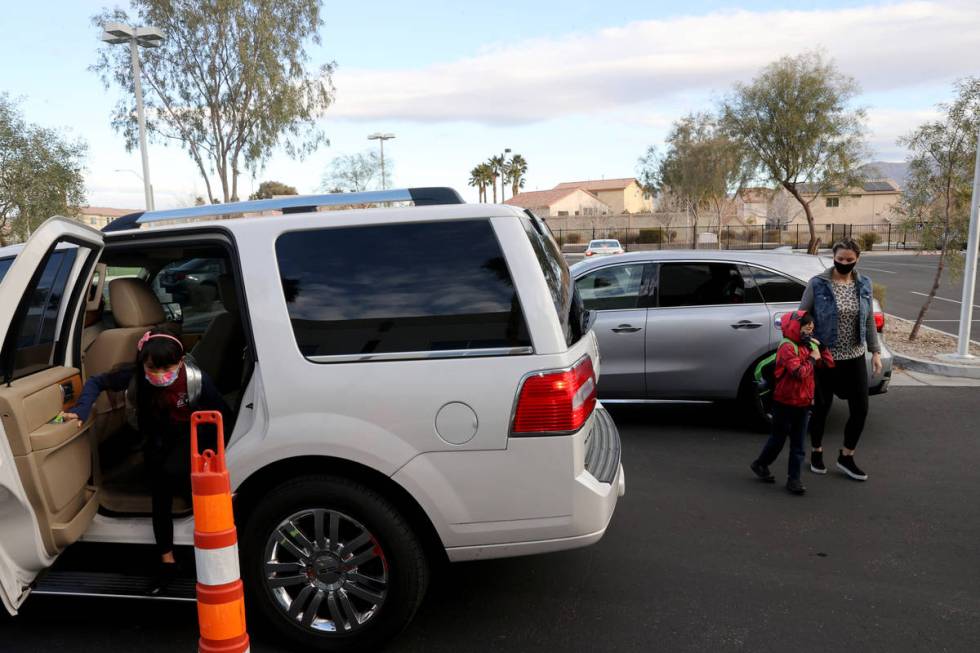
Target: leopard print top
849, 343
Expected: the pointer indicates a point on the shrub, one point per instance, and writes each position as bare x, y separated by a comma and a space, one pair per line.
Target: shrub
879, 292
572, 238
868, 240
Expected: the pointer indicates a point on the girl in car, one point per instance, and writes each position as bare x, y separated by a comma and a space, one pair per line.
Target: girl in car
163, 388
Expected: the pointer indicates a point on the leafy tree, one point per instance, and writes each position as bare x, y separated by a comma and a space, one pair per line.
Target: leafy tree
482, 176
351, 173
516, 173
40, 174
230, 83
795, 118
269, 189
702, 166
936, 196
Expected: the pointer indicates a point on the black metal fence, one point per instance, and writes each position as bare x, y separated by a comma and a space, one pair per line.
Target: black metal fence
869, 236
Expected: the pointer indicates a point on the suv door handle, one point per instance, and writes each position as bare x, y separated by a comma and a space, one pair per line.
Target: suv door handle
625, 328
746, 324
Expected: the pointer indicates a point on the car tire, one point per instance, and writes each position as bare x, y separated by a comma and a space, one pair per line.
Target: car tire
358, 513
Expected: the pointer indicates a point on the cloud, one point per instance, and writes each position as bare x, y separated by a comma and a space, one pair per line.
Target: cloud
885, 46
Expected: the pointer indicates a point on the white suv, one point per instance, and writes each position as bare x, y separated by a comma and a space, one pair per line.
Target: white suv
394, 407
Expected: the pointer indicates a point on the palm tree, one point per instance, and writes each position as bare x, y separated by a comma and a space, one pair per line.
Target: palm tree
478, 181
496, 164
516, 171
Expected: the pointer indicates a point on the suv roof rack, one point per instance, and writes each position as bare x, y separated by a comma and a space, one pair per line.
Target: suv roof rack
428, 196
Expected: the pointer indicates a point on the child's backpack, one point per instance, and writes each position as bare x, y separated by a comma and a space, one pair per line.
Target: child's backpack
765, 370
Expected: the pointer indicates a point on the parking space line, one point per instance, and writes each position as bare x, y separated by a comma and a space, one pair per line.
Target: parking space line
865, 267
955, 301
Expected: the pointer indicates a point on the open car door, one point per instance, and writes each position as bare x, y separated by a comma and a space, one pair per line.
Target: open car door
48, 495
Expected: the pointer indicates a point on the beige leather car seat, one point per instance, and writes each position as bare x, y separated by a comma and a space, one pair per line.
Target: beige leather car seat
220, 350
135, 309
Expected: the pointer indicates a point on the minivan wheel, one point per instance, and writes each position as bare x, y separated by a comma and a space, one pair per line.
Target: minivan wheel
330, 564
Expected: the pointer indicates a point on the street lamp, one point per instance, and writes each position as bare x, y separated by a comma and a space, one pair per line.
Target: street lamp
148, 37
381, 137
503, 166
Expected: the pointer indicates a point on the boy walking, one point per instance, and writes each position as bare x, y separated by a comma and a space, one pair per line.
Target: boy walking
796, 358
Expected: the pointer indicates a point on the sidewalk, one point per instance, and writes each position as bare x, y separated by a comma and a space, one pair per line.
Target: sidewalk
903, 377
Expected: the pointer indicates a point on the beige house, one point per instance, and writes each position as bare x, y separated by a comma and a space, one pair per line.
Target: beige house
621, 195
873, 203
561, 202
752, 205
100, 216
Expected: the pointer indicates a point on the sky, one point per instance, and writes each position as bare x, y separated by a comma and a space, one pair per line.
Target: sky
580, 89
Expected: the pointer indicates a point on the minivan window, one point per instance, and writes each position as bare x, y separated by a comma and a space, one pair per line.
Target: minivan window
32, 338
776, 287
416, 287
568, 304
703, 284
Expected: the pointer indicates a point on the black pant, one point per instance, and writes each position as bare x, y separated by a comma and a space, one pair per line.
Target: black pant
848, 379
787, 422
170, 475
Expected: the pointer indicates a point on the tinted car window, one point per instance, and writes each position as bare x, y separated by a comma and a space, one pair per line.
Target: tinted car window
194, 284
612, 288
568, 303
399, 288
33, 337
776, 287
4, 266
703, 284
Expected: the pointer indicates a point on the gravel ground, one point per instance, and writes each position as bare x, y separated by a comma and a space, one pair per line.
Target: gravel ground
928, 344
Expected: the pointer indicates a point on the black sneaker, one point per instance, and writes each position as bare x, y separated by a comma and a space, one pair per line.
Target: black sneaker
795, 486
816, 463
762, 472
847, 465
167, 573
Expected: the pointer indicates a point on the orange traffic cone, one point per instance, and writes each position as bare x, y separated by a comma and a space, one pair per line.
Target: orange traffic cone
220, 596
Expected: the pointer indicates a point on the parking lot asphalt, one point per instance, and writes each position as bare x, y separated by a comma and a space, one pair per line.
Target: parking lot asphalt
699, 556
907, 279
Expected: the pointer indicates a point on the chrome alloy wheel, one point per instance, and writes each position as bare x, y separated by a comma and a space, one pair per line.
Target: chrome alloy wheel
326, 571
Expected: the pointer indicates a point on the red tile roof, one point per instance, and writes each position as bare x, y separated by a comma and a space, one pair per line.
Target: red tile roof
599, 184
539, 198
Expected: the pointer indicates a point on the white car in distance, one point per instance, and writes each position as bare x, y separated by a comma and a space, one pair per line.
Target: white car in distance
606, 247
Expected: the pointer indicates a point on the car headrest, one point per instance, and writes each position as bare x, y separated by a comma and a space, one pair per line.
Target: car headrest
227, 292
134, 304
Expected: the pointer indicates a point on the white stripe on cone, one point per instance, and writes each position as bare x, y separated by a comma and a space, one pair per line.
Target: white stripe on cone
217, 566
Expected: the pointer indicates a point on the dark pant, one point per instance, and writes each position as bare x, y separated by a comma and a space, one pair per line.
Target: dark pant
170, 475
787, 421
848, 379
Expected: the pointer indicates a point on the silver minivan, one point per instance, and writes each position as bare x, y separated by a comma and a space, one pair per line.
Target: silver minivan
691, 325
391, 410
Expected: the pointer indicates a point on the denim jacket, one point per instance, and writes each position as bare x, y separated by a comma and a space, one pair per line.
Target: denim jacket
818, 300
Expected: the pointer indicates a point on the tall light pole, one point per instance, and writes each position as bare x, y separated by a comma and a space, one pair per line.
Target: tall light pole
381, 138
970, 276
503, 167
148, 37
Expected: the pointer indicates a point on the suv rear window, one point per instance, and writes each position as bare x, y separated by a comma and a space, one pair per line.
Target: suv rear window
397, 288
4, 266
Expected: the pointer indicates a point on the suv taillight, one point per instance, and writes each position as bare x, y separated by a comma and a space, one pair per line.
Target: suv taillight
879, 321
556, 402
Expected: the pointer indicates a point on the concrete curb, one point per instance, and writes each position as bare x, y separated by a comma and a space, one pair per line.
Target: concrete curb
935, 367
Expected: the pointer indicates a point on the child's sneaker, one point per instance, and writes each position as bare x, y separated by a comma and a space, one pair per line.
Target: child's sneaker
847, 465
795, 486
816, 463
762, 472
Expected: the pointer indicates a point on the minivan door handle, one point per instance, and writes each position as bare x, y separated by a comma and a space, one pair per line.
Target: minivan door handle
625, 328
746, 324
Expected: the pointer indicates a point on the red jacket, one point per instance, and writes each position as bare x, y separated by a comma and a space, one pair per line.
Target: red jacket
794, 366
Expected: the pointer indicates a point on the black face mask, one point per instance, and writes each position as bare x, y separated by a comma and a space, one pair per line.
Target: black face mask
805, 338
844, 268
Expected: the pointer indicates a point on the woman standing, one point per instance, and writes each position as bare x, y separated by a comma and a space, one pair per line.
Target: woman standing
841, 303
